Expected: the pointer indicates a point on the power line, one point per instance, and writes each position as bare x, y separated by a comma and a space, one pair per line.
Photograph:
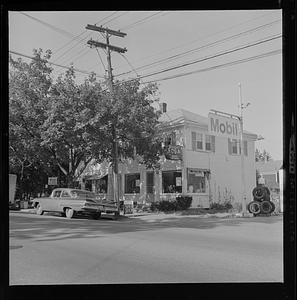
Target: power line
76, 37
101, 59
140, 21
204, 38
125, 12
204, 46
130, 64
85, 38
217, 55
263, 55
57, 29
61, 66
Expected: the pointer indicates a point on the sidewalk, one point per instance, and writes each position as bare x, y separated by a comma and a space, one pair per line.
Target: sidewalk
162, 215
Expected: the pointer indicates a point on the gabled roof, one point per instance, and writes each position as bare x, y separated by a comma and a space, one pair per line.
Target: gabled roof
269, 166
180, 116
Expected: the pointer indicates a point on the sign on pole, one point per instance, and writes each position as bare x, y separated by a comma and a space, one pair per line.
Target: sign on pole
53, 181
223, 126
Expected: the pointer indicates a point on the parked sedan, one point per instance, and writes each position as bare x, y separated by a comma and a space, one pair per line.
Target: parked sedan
73, 201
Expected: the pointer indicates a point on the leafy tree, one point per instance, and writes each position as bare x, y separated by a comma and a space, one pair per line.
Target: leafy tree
262, 156
129, 117
66, 124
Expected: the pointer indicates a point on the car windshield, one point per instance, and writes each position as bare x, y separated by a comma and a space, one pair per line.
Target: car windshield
83, 194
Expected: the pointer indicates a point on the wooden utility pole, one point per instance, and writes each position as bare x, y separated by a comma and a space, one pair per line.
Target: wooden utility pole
109, 48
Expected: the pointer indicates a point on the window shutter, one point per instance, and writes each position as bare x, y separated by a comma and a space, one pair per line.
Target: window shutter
245, 150
213, 144
229, 146
193, 141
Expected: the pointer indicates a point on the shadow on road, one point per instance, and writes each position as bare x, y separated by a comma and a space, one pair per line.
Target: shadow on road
53, 227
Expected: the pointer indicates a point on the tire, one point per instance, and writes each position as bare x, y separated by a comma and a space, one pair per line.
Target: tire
96, 216
254, 207
69, 212
260, 193
266, 207
39, 210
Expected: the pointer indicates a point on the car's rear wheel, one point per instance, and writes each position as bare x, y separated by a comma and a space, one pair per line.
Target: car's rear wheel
39, 210
69, 212
97, 216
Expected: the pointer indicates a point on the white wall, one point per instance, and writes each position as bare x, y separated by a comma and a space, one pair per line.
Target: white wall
225, 180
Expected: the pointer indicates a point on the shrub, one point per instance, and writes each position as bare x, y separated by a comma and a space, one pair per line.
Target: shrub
221, 206
154, 206
180, 203
183, 202
166, 205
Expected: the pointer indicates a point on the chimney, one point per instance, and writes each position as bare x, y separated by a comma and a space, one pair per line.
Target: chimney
163, 107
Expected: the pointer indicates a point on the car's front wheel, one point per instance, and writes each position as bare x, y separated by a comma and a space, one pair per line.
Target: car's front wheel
39, 210
69, 212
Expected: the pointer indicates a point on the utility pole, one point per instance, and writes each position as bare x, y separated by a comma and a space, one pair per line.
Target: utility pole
108, 32
241, 107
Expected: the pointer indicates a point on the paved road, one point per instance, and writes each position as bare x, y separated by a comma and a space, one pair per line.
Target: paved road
50, 249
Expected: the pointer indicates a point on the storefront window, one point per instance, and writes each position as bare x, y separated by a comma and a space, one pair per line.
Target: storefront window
101, 185
196, 181
132, 183
172, 181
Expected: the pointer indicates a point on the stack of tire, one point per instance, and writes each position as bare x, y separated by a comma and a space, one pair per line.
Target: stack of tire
261, 203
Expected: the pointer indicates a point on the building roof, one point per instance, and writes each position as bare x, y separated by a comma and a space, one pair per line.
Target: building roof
271, 166
179, 116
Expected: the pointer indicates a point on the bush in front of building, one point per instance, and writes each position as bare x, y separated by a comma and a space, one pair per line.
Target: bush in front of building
180, 203
183, 202
221, 206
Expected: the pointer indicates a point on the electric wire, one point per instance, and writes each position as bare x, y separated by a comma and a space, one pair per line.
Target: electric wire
232, 63
204, 38
203, 46
86, 37
245, 46
76, 37
59, 30
140, 21
101, 60
129, 64
57, 65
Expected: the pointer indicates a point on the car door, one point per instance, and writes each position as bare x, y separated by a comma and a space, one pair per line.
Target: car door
65, 200
54, 201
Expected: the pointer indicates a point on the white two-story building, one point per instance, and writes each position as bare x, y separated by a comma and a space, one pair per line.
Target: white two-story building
203, 161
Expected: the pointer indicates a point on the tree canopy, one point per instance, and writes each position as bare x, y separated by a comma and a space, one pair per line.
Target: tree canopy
65, 124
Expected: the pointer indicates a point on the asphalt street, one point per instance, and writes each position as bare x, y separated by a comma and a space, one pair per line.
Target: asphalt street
50, 249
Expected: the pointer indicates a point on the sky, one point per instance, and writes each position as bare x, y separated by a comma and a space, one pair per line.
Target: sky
198, 58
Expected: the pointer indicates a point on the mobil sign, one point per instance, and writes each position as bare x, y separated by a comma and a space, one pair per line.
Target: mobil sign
223, 126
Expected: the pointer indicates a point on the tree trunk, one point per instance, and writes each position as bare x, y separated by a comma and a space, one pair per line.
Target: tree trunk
70, 181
